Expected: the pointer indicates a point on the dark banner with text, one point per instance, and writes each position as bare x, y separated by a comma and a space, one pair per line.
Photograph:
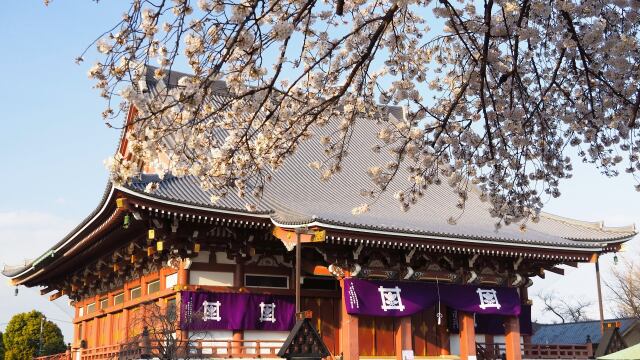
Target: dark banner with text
404, 298
232, 311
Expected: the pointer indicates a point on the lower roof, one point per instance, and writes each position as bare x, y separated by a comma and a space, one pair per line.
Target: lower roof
576, 332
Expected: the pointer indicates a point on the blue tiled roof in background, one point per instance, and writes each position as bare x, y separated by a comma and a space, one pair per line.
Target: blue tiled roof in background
574, 333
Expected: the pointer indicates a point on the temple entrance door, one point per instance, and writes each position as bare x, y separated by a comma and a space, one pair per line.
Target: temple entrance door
376, 335
326, 319
429, 339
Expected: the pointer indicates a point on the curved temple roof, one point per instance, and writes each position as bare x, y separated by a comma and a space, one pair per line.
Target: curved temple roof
297, 197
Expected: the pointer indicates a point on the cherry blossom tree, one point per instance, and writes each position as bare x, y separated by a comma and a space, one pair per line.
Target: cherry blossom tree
499, 94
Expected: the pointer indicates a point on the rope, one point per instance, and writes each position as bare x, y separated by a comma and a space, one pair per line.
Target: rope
439, 314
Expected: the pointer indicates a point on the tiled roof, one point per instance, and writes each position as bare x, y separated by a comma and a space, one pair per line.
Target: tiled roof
575, 333
297, 196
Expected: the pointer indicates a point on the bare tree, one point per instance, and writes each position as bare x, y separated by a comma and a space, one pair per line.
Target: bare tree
625, 289
495, 94
566, 311
154, 327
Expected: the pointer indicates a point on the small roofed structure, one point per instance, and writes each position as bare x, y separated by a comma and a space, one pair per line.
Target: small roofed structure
378, 283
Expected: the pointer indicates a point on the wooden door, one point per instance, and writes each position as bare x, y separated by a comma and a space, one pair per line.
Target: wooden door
89, 333
427, 338
118, 328
376, 335
326, 317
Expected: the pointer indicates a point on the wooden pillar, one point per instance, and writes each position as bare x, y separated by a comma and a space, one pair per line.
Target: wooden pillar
183, 275
600, 307
348, 330
238, 282
183, 279
403, 336
512, 338
467, 336
110, 316
83, 333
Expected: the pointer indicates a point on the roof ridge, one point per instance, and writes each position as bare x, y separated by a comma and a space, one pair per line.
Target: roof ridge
587, 321
599, 225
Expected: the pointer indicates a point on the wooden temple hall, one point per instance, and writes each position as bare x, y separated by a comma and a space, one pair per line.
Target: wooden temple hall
376, 284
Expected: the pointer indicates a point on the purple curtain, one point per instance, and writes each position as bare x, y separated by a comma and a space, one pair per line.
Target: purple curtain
404, 298
232, 311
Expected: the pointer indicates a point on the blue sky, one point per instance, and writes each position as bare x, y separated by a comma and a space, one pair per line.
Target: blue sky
53, 143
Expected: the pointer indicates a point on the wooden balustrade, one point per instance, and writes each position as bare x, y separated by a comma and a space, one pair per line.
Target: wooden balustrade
496, 351
198, 349
203, 349
61, 356
558, 351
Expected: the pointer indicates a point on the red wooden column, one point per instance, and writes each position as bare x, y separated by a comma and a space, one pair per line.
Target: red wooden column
467, 336
183, 275
403, 336
183, 279
238, 282
348, 330
512, 338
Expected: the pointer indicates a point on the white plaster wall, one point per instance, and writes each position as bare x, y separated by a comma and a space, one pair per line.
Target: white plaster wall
480, 338
278, 338
171, 280
221, 258
212, 278
454, 343
203, 257
212, 338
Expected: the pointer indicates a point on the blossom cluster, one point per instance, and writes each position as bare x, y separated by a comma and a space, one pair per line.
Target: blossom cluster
502, 98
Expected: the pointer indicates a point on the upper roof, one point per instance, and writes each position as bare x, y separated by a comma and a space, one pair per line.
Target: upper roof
576, 332
297, 197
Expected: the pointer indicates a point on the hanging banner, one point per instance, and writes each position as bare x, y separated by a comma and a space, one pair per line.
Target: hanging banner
232, 311
404, 298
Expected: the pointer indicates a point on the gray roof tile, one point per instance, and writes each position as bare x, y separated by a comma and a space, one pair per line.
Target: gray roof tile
297, 196
574, 333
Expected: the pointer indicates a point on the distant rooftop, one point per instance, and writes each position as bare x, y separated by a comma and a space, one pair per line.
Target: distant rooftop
575, 332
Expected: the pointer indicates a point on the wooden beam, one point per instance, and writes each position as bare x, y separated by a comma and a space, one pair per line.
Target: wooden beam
556, 270
46, 290
572, 264
288, 236
56, 296
316, 270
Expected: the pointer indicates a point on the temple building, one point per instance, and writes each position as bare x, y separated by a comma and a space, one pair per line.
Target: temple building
376, 284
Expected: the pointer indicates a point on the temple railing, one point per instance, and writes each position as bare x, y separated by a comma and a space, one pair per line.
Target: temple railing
61, 356
198, 349
497, 351
203, 349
